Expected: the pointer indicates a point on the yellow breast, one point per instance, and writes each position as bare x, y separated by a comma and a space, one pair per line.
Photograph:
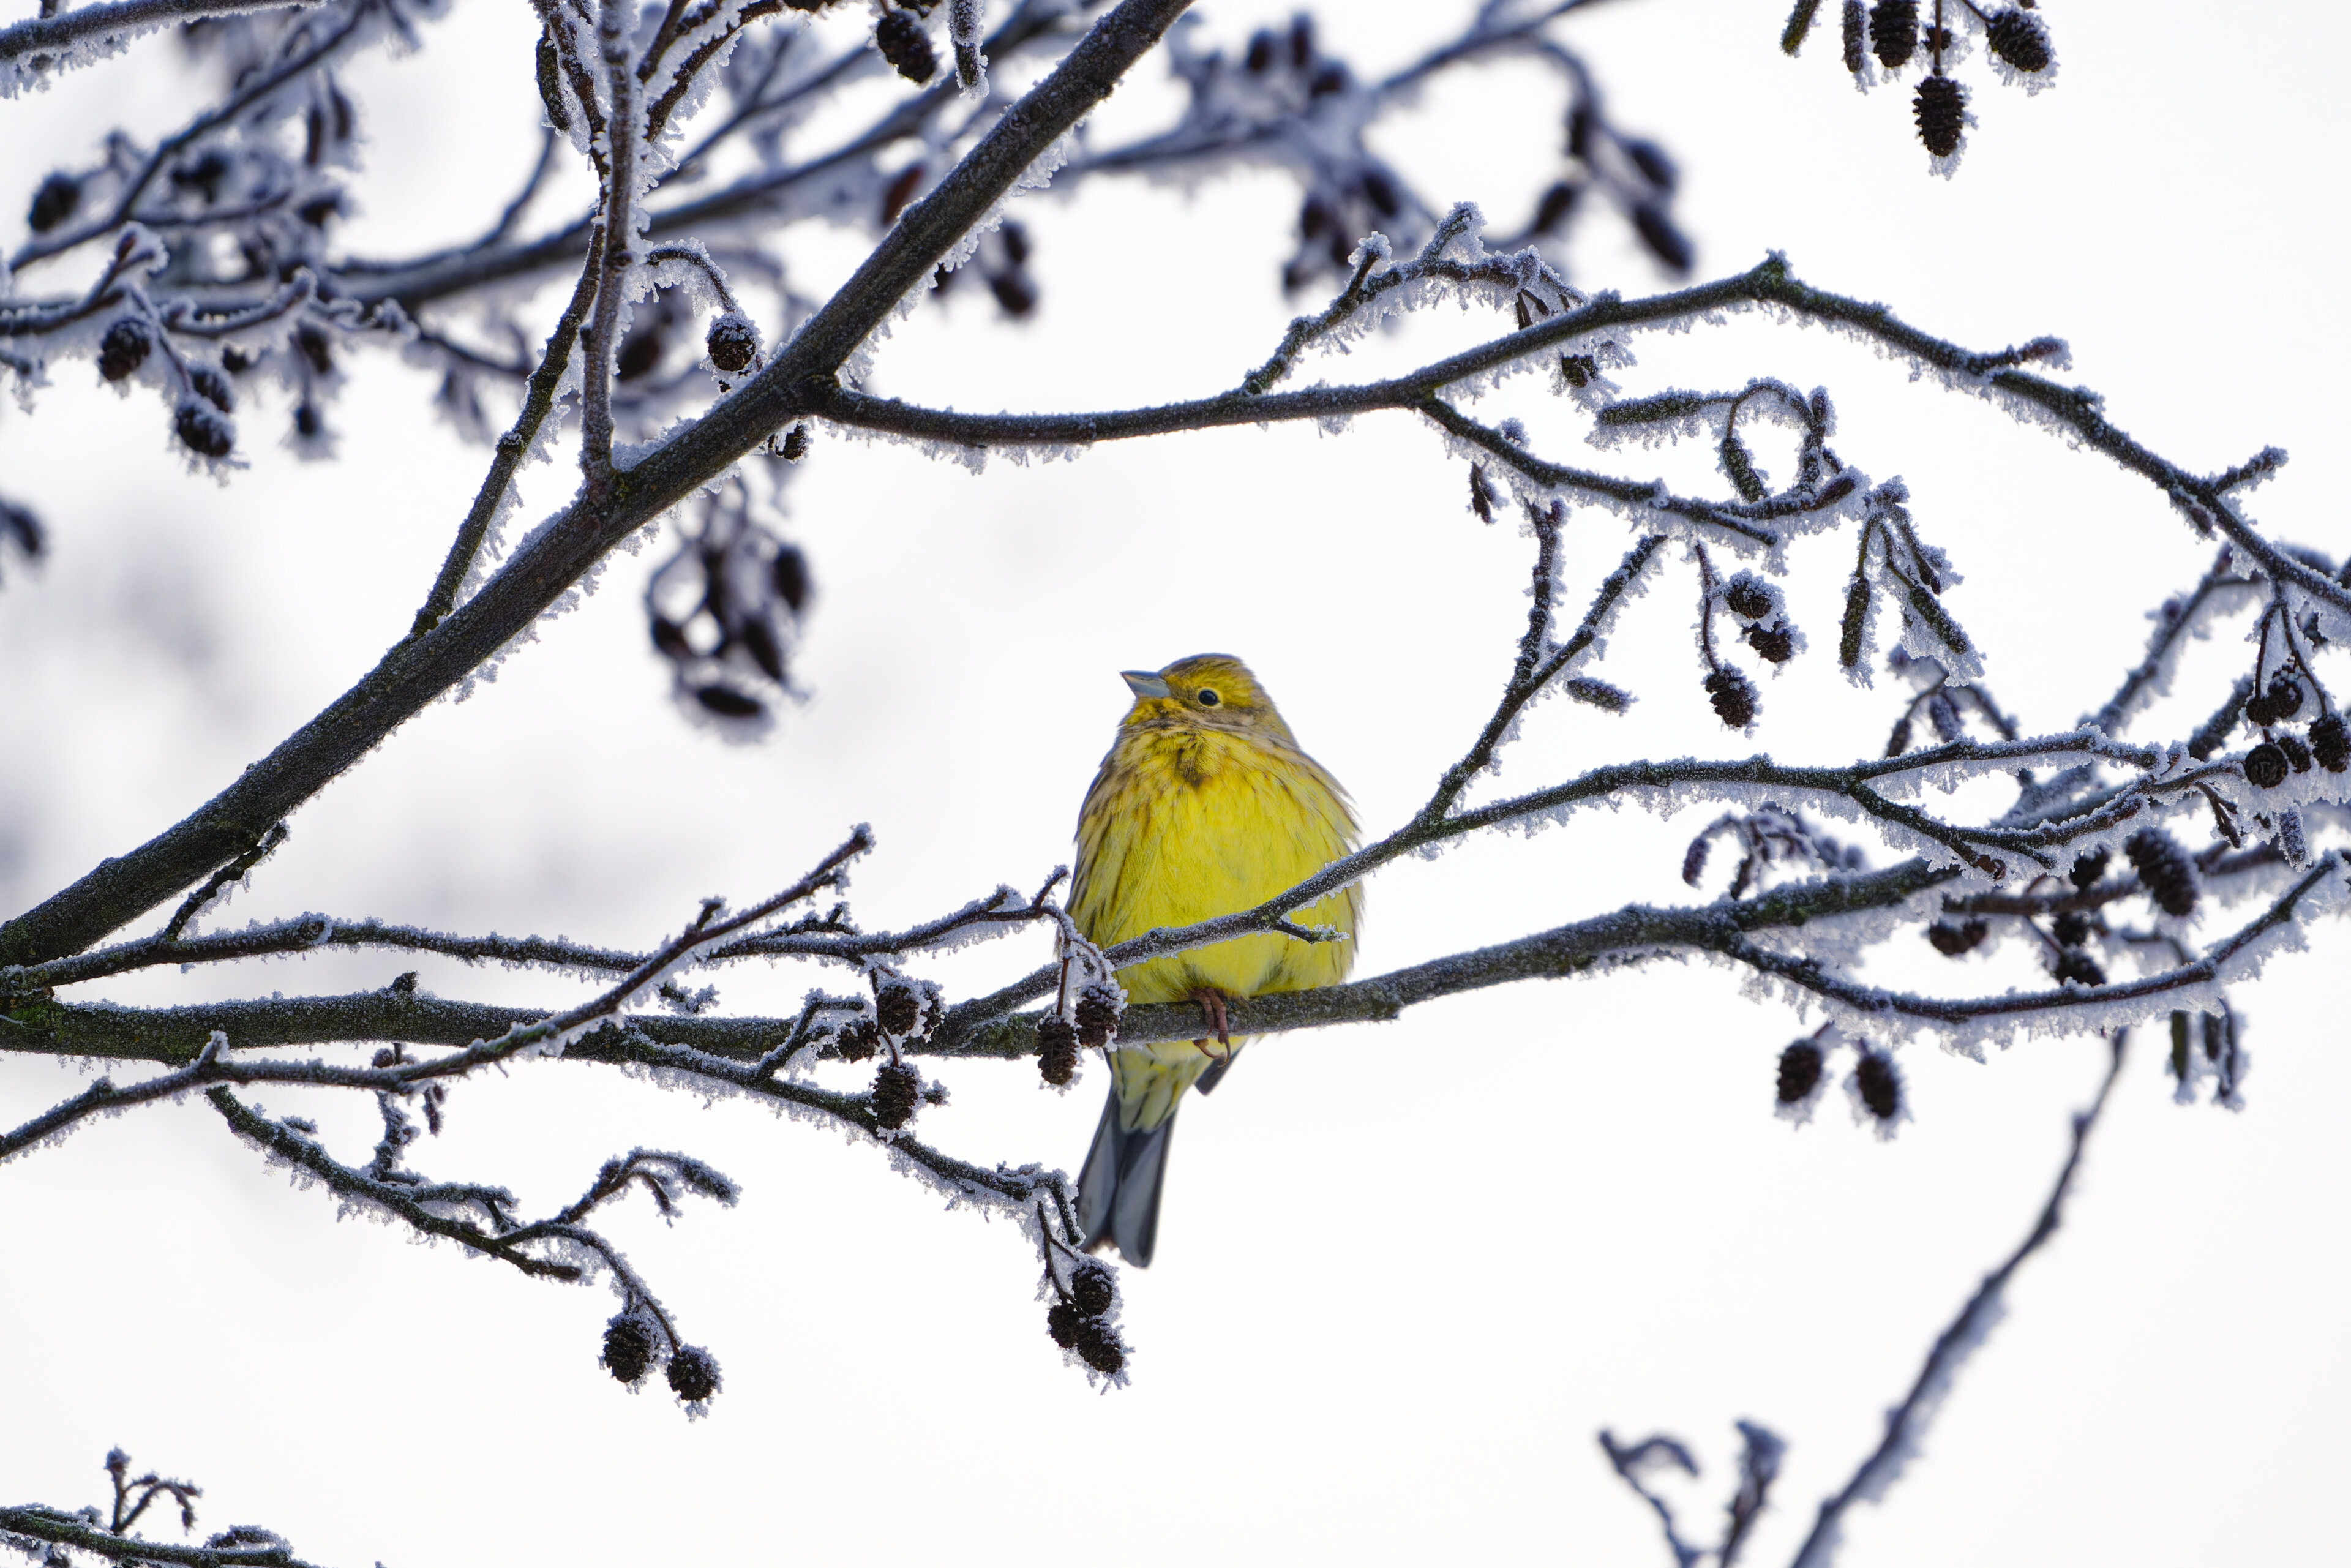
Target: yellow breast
1184, 824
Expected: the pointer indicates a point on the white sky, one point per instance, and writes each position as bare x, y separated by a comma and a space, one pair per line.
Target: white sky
1405, 1272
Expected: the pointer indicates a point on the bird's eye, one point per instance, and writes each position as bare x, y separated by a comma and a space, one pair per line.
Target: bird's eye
1208, 696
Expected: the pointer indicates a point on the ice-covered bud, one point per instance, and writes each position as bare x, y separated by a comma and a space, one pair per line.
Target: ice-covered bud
1732, 697
1098, 1013
1799, 1071
733, 342
2285, 695
728, 703
2330, 744
1894, 32
1090, 1289
211, 385
1856, 36
2089, 868
58, 199
2077, 966
857, 1041
2265, 765
1941, 109
1800, 22
1057, 1049
628, 1347
796, 444
1064, 1322
124, 348
1899, 741
897, 1090
693, 1375
2164, 867
903, 43
2072, 928
1953, 940
897, 1007
203, 429
1880, 1084
2296, 753
1775, 642
2020, 39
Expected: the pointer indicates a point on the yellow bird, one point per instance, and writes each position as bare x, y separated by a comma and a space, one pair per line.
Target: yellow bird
1204, 806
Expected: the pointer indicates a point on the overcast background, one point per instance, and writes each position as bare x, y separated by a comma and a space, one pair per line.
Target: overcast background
1407, 1271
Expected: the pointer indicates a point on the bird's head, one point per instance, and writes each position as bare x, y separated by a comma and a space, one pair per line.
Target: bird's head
1214, 691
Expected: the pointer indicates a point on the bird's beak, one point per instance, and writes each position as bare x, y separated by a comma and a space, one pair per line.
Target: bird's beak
1144, 683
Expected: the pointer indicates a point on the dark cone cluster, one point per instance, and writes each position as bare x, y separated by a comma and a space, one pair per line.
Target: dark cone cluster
1940, 109
2297, 751
1799, 1071
1880, 1084
897, 1090
1953, 940
1078, 1321
203, 429
2266, 765
1748, 601
628, 1347
693, 1375
903, 43
2089, 868
2165, 868
1732, 697
1057, 1049
2072, 928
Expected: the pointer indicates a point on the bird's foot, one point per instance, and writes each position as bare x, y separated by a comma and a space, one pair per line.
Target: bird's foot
1212, 1002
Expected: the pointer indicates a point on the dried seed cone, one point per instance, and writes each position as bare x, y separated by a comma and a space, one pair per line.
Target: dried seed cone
859, 1042
2285, 694
693, 1374
796, 445
1880, 1085
1894, 32
898, 1009
201, 429
1064, 1322
1057, 1049
1090, 1289
1941, 109
1748, 601
2165, 868
733, 342
1799, 1071
897, 1090
1098, 1013
124, 348
2078, 966
2265, 765
2330, 744
2088, 869
905, 45
1732, 697
1856, 35
2297, 754
2071, 928
1774, 643
628, 1347
1951, 940
2019, 39
1099, 1349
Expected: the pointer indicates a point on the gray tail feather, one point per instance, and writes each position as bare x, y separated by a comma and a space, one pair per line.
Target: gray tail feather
1118, 1195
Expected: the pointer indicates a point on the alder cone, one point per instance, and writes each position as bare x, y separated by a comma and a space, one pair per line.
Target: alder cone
1941, 109
2330, 744
2019, 39
897, 1091
2265, 765
628, 1348
693, 1375
2164, 867
905, 45
1799, 1071
1880, 1085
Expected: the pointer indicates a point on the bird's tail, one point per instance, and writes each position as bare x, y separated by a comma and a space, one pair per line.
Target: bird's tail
1118, 1195
1118, 1192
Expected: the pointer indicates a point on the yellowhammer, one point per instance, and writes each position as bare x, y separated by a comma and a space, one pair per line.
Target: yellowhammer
1204, 806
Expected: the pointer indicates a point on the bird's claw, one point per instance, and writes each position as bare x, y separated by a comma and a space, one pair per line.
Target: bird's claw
1212, 1002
